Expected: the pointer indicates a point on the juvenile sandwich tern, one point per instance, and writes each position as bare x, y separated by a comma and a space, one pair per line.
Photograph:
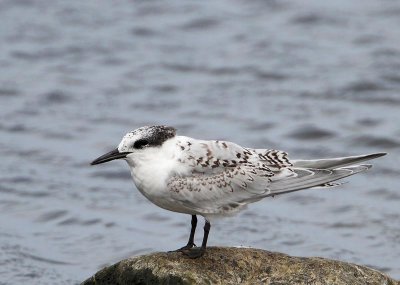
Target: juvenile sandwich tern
217, 178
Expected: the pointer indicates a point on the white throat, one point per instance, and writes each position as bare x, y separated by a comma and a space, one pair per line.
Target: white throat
153, 166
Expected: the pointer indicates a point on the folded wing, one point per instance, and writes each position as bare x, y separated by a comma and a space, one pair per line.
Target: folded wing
330, 163
225, 177
227, 191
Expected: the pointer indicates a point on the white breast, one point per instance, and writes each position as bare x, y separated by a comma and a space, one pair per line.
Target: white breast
152, 168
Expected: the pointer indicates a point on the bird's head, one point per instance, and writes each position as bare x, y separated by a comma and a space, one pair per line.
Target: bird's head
138, 141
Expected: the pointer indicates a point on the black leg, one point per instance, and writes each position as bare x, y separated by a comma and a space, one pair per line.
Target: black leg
190, 243
199, 251
207, 228
192, 231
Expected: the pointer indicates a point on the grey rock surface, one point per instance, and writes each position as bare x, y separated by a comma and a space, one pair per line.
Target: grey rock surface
222, 265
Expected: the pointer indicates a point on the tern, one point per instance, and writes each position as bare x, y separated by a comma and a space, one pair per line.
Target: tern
214, 178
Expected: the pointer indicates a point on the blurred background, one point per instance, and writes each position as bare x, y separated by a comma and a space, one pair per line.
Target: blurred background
314, 78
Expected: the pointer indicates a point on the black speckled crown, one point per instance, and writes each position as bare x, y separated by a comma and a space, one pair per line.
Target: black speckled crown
155, 135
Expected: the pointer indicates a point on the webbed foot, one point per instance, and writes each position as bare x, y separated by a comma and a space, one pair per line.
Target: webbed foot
195, 252
183, 248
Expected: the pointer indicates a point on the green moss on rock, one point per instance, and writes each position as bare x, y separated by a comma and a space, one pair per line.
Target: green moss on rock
222, 265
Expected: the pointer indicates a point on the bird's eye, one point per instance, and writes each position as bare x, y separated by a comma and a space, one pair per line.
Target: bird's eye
140, 144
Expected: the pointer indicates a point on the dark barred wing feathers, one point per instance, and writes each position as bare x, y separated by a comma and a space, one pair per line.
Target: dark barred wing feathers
230, 176
274, 158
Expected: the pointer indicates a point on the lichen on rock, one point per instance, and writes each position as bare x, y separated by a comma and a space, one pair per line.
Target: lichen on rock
229, 265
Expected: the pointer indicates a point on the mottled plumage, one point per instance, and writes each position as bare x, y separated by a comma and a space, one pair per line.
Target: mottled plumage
213, 178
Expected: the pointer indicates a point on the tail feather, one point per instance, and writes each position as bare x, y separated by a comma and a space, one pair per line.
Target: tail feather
330, 184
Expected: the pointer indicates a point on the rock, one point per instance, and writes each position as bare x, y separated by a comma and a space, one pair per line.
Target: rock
221, 265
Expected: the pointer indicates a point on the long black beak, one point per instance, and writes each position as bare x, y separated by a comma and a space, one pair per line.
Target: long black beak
114, 154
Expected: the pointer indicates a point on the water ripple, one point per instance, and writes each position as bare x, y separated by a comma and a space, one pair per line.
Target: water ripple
311, 133
78, 74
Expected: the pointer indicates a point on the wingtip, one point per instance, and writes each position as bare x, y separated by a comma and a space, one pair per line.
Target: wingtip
378, 154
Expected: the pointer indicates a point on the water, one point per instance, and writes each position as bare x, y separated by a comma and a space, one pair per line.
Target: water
312, 78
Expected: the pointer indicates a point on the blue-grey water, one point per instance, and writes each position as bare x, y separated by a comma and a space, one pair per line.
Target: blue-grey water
314, 78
